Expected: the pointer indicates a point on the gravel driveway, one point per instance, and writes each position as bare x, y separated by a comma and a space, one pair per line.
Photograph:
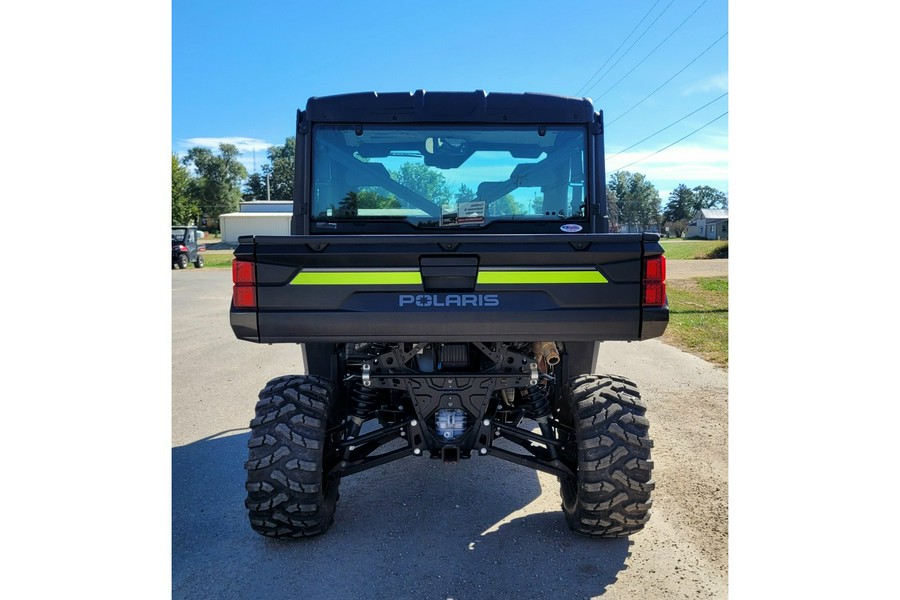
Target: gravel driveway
687, 269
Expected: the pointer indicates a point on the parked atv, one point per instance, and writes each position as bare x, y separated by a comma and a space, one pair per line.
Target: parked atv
449, 328
185, 248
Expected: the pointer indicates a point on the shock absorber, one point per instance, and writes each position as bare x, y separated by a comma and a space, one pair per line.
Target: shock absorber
363, 400
536, 402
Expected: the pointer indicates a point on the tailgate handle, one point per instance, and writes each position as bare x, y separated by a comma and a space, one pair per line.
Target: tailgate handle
448, 272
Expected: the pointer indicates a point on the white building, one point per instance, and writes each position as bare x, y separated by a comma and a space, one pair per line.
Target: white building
261, 217
709, 223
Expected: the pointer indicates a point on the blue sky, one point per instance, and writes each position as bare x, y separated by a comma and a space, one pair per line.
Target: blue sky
241, 69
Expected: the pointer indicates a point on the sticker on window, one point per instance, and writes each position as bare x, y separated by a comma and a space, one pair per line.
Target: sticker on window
466, 213
471, 213
571, 228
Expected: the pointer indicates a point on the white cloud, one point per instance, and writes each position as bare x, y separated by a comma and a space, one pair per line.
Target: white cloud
713, 83
243, 144
690, 165
246, 146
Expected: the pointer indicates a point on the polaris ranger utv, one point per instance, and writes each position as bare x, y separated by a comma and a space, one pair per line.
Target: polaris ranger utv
449, 278
185, 247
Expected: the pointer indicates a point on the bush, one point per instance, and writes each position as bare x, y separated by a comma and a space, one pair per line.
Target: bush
720, 251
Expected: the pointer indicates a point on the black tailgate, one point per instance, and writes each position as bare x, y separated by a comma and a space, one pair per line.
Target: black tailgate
447, 288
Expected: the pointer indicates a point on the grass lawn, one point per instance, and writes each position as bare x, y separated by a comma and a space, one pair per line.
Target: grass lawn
217, 261
689, 249
698, 317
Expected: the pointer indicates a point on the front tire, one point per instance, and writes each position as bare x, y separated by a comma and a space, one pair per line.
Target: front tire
287, 495
199, 262
610, 494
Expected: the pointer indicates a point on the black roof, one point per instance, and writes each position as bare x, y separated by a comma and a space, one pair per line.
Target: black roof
449, 107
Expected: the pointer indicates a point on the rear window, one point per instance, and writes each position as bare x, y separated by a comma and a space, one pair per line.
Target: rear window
447, 177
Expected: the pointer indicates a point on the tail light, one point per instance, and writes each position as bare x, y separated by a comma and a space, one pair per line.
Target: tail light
243, 274
654, 283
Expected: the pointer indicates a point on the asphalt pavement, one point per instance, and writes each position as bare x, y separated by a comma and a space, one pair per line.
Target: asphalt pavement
416, 528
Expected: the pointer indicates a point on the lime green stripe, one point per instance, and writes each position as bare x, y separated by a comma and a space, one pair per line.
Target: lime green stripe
357, 278
540, 277
415, 278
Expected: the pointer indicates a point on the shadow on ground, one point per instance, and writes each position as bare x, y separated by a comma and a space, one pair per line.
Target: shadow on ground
217, 244
413, 529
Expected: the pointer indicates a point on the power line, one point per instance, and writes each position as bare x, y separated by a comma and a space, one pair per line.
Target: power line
631, 46
585, 87
667, 126
708, 48
654, 50
673, 143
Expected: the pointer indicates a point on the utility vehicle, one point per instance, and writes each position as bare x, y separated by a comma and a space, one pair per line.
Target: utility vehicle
449, 279
186, 248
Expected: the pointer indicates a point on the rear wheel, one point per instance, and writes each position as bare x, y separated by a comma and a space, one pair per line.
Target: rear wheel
183, 261
610, 493
287, 495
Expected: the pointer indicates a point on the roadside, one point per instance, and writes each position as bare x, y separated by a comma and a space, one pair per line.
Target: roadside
688, 269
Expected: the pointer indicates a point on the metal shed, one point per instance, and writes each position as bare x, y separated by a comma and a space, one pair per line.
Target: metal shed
234, 225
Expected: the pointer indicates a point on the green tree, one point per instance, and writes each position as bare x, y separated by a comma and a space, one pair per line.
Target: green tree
465, 193
637, 200
682, 205
185, 210
709, 197
280, 170
349, 205
428, 182
680, 209
365, 198
254, 187
506, 205
370, 198
216, 184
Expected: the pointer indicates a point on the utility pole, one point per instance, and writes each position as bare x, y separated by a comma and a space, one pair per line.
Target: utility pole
268, 188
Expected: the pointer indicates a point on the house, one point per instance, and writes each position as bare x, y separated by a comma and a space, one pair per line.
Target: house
709, 223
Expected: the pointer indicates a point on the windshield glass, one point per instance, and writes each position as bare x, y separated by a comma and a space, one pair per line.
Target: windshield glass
448, 176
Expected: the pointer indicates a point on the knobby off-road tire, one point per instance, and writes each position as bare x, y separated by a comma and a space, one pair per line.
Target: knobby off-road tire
287, 496
610, 496
183, 261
